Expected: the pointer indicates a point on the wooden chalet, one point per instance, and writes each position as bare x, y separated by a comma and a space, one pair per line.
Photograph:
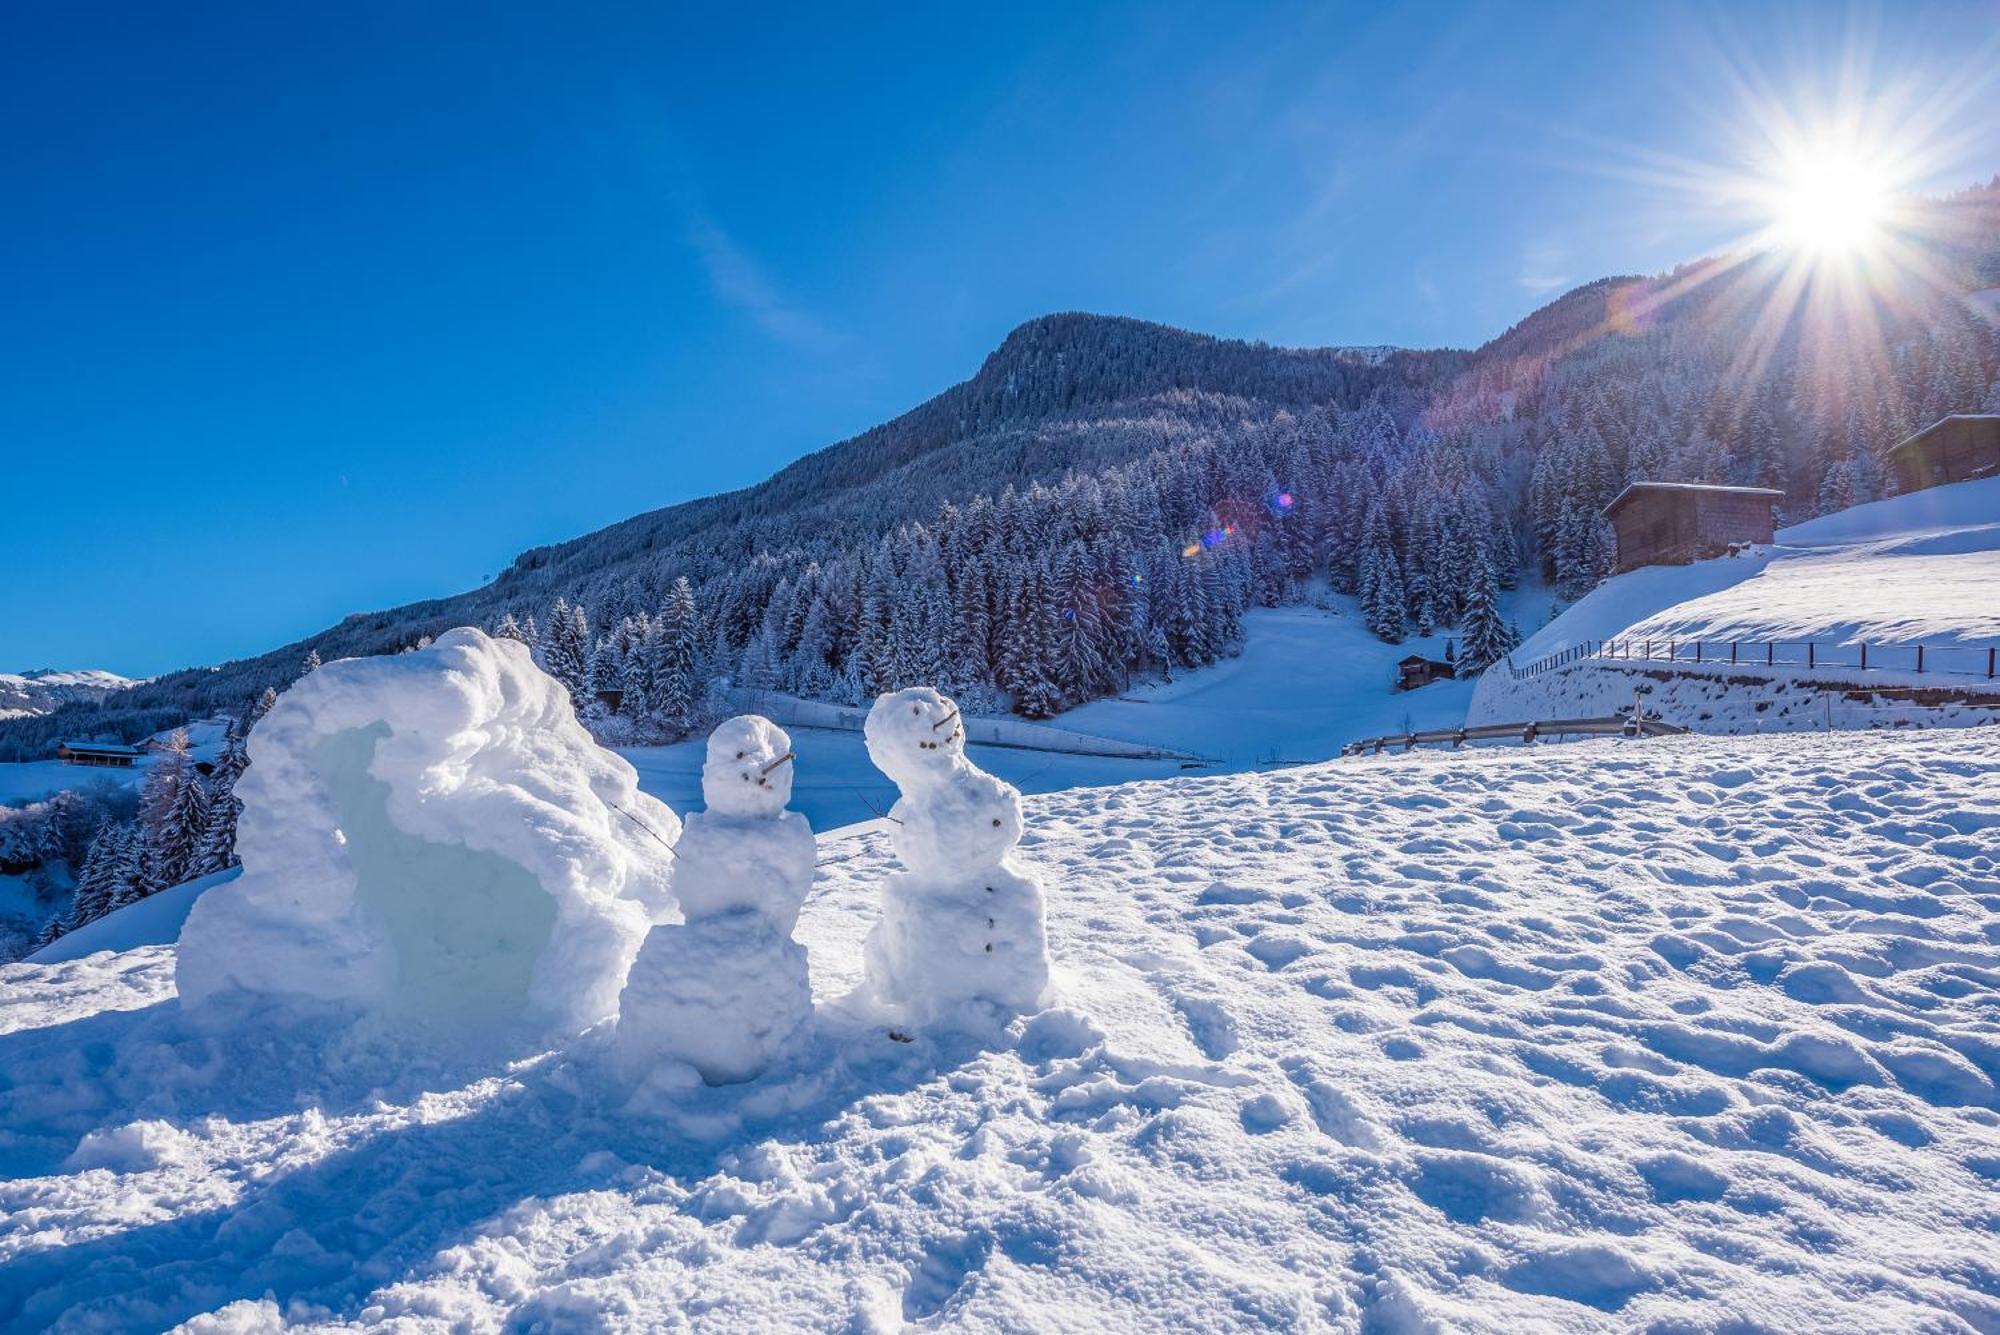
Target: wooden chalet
101, 755
1671, 523
1958, 448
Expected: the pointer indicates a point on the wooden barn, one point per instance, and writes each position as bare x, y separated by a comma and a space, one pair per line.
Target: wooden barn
1671, 523
1416, 670
102, 755
1952, 449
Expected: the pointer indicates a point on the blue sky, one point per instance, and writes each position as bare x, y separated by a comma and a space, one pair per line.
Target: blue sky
315, 309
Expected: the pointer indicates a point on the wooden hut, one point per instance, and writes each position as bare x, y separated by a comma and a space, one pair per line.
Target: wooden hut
1958, 448
1416, 670
1671, 523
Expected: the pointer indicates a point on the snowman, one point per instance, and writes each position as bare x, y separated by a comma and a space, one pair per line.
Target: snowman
961, 942
727, 989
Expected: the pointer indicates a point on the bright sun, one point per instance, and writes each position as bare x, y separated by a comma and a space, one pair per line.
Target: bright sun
1831, 202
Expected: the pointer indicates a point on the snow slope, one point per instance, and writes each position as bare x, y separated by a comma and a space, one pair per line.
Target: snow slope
1688, 1034
1920, 568
1307, 682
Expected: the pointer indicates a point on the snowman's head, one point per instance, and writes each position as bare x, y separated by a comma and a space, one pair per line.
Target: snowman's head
914, 736
749, 769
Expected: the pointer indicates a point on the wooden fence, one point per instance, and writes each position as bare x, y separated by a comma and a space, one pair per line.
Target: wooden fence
1956, 660
1618, 725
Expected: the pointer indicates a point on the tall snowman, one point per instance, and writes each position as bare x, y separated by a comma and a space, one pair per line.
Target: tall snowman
727, 989
961, 941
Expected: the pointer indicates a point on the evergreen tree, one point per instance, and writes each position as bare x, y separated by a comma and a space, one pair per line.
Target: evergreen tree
510, 629
97, 883
159, 804
672, 691
217, 848
130, 881
1488, 639
180, 836
51, 932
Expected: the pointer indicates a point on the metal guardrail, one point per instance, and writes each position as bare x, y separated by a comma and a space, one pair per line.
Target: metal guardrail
1955, 660
1618, 725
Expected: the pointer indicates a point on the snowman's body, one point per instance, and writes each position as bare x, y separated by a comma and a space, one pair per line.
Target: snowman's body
961, 940
726, 990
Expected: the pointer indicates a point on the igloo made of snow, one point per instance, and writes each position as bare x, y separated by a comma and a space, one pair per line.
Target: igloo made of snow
432, 837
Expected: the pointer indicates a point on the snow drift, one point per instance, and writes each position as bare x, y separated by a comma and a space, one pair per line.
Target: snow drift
432, 837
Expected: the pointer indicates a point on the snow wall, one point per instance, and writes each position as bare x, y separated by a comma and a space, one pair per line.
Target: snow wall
433, 837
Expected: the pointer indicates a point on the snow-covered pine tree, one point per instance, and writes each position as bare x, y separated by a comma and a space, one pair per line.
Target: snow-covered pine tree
672, 692
130, 882
217, 848
98, 880
564, 648
1080, 667
311, 664
507, 628
264, 704
180, 837
159, 797
1488, 639
1381, 584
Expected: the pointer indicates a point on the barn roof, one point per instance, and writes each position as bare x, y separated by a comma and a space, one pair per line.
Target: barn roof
1624, 497
1939, 425
102, 748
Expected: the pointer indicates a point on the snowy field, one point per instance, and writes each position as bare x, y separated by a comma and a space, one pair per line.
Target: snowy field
1690, 1034
1306, 683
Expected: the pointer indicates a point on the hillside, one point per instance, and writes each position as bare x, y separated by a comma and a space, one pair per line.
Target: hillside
1092, 455
1682, 1034
1917, 569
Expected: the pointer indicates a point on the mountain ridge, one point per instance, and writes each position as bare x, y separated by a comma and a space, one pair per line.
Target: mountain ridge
1618, 377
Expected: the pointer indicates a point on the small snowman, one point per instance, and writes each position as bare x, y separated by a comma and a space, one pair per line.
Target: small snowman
727, 989
961, 941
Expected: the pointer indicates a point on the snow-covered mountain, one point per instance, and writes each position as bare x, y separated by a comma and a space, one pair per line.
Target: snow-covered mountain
1099, 450
27, 694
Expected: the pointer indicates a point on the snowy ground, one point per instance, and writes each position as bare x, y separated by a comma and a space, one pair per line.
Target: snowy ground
1918, 568
1307, 682
1689, 1034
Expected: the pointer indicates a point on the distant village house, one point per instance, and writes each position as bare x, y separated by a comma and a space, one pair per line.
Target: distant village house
1671, 523
1958, 448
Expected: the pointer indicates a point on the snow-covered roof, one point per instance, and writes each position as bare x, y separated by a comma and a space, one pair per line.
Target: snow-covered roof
1619, 500
1941, 423
102, 748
